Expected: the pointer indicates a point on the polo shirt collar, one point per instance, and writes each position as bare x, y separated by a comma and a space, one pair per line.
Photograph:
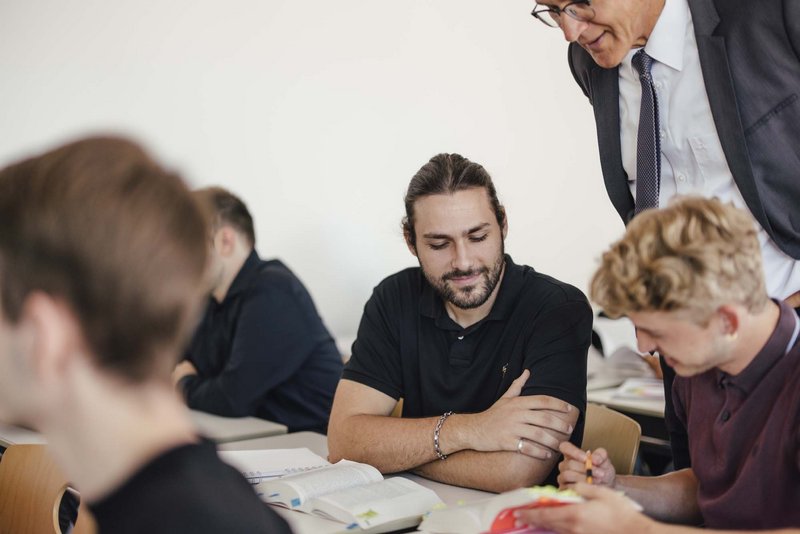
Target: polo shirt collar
242, 279
431, 304
768, 356
662, 44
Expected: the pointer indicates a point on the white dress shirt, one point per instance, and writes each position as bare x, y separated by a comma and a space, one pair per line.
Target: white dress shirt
692, 160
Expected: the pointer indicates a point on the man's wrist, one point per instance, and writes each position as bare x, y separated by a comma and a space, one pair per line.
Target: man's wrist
436, 432
456, 434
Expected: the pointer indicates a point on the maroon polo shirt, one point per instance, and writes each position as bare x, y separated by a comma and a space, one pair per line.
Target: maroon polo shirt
744, 435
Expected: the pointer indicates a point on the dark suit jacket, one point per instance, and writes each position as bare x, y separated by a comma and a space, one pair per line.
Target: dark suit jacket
750, 58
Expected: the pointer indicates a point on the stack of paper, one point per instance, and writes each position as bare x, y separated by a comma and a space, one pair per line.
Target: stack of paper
641, 388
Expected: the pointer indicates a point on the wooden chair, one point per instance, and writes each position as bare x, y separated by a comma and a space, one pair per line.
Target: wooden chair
31, 488
398, 408
616, 433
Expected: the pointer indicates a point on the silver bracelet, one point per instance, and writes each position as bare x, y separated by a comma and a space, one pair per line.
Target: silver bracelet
436, 431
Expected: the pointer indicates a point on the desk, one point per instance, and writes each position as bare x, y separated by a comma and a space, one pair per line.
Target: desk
646, 407
216, 428
317, 443
14, 435
224, 429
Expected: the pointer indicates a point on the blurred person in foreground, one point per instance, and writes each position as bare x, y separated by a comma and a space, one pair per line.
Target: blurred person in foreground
103, 255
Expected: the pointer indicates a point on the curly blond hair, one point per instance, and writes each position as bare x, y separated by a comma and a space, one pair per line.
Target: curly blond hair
695, 255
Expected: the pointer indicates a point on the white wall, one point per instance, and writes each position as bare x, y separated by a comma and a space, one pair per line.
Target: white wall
318, 113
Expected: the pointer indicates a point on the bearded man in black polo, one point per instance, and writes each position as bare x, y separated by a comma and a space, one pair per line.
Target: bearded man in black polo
488, 356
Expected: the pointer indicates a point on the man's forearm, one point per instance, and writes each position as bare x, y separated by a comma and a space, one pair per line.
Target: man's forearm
393, 444
489, 471
390, 444
671, 497
209, 395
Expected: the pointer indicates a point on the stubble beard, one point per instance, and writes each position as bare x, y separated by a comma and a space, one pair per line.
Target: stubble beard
469, 297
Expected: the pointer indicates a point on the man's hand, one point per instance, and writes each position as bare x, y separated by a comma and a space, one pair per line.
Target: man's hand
184, 368
572, 468
524, 424
605, 512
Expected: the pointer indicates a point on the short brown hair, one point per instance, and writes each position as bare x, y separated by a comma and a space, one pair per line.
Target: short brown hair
220, 206
696, 254
101, 226
447, 174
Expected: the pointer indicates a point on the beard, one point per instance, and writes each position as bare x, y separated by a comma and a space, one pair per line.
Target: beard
473, 296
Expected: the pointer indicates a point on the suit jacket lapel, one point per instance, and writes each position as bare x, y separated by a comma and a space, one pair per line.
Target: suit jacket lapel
605, 100
722, 98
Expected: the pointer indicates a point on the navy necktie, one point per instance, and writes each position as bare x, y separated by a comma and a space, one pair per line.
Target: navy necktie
648, 141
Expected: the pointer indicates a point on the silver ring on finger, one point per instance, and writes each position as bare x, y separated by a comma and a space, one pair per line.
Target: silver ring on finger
519, 445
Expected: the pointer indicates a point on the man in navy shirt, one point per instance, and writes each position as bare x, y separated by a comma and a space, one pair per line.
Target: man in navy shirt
261, 348
488, 356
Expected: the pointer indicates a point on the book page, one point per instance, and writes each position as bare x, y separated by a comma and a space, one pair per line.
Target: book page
461, 518
377, 503
341, 475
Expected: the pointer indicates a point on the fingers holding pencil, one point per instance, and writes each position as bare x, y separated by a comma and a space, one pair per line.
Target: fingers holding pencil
578, 465
587, 465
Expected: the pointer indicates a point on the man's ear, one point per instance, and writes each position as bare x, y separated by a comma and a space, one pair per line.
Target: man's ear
412, 248
226, 240
730, 320
53, 334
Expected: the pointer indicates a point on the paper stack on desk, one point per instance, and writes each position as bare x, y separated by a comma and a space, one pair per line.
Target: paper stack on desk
641, 389
260, 465
619, 358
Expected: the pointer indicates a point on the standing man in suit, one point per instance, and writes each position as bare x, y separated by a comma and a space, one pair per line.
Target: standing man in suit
695, 97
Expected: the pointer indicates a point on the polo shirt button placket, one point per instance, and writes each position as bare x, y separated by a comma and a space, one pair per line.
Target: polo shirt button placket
725, 416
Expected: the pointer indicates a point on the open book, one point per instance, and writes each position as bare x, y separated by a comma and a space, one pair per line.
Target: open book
354, 494
495, 514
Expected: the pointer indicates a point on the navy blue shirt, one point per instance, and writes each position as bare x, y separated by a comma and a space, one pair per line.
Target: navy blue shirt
264, 351
407, 345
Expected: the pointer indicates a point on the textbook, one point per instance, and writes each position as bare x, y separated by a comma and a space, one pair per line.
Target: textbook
496, 514
354, 494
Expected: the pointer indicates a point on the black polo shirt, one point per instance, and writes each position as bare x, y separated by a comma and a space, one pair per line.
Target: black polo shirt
407, 345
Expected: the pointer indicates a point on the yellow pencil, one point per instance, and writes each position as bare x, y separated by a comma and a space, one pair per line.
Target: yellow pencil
588, 465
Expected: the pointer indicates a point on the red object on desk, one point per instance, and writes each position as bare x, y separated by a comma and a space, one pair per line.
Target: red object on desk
505, 521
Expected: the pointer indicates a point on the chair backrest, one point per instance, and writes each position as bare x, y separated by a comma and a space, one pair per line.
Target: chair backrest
398, 408
31, 488
615, 432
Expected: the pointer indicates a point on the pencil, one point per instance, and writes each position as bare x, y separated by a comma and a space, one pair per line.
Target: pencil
588, 465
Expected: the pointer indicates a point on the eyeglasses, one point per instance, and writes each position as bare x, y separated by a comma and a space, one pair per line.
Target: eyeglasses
580, 10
